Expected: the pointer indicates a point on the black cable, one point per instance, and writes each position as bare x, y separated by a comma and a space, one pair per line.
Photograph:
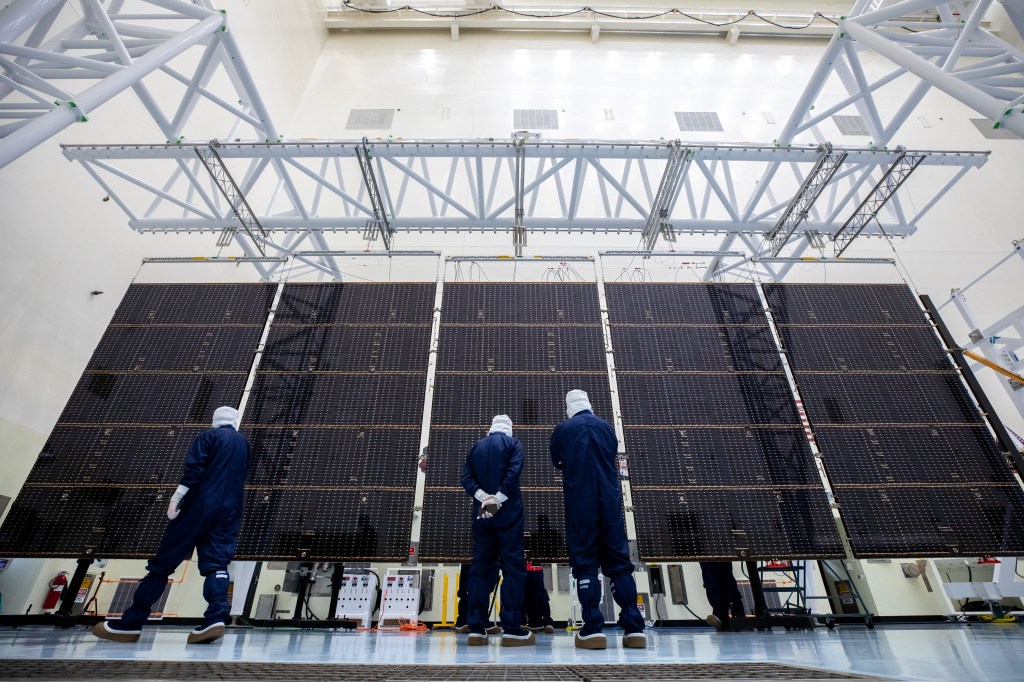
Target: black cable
305, 603
687, 607
597, 13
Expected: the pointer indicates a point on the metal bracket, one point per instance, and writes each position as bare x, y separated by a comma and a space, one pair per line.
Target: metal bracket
816, 181
678, 162
229, 188
380, 225
518, 231
879, 196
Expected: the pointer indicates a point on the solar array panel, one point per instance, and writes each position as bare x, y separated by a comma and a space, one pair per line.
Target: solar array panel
515, 349
172, 354
720, 467
914, 468
719, 461
335, 418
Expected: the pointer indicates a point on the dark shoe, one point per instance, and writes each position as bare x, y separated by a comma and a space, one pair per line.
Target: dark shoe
494, 630
526, 639
205, 635
116, 633
634, 640
716, 622
476, 639
462, 629
594, 641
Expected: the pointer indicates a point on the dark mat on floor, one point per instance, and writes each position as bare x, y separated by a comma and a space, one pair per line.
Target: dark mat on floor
282, 672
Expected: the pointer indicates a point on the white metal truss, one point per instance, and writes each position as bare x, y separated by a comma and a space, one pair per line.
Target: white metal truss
951, 51
114, 46
304, 190
1001, 343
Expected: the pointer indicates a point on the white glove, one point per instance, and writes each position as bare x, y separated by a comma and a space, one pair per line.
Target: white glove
489, 501
176, 498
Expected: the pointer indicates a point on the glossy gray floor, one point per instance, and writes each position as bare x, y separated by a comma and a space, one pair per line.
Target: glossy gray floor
904, 652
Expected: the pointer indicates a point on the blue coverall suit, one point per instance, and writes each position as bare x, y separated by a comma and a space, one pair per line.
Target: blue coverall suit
722, 591
584, 448
494, 465
210, 513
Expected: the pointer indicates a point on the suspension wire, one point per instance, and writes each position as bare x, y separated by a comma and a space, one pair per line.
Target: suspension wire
900, 265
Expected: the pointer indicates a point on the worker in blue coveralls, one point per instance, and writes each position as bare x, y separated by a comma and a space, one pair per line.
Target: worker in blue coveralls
204, 514
491, 477
585, 448
723, 595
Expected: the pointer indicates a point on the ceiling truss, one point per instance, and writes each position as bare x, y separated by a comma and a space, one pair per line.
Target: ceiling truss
777, 200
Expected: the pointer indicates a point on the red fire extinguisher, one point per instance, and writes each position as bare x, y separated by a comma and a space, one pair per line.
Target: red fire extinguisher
57, 586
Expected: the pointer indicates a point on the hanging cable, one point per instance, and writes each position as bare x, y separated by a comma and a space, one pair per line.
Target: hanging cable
748, 15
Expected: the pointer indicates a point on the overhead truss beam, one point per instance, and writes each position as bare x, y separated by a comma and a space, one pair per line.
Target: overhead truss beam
417, 186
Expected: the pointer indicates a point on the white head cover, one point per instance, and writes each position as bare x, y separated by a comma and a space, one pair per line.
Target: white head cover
501, 424
576, 401
225, 416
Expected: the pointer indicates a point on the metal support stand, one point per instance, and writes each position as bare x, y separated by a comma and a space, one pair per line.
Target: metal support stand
67, 599
250, 594
862, 614
305, 570
336, 576
757, 590
989, 412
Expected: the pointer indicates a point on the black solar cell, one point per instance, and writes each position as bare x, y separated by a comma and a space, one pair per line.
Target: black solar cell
902, 454
660, 303
508, 348
448, 525
934, 521
852, 349
678, 398
688, 357
360, 456
114, 455
913, 467
356, 524
356, 303
449, 447
858, 304
698, 524
472, 399
710, 457
369, 348
203, 304
715, 348
179, 348
521, 303
886, 398
311, 399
